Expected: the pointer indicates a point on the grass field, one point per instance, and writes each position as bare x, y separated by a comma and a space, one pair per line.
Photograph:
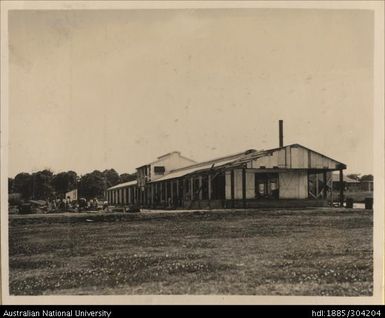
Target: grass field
253, 252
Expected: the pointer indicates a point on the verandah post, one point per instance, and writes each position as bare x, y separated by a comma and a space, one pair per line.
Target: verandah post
341, 188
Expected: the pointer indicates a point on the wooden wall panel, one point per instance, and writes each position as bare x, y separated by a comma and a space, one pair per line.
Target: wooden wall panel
237, 183
293, 185
250, 184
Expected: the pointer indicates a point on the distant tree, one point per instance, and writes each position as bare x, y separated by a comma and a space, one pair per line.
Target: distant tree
10, 185
14, 199
367, 177
92, 185
112, 177
23, 184
127, 177
42, 187
64, 182
354, 176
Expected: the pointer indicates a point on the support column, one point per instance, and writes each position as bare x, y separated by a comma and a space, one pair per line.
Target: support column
244, 187
192, 189
232, 187
209, 186
137, 196
152, 194
331, 189
161, 192
341, 188
184, 181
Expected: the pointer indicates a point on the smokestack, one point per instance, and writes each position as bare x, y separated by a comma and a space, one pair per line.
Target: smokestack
280, 133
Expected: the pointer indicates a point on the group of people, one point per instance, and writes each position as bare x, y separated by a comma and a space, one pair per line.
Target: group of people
68, 205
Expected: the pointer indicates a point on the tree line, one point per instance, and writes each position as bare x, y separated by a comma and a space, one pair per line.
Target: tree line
44, 184
358, 177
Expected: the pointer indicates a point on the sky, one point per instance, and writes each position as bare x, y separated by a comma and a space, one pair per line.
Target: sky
100, 89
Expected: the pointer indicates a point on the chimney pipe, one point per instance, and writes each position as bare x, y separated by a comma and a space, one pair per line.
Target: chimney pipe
280, 133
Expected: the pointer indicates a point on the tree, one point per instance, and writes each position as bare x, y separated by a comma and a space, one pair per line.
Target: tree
64, 182
112, 177
92, 185
126, 177
367, 177
10, 185
23, 184
42, 188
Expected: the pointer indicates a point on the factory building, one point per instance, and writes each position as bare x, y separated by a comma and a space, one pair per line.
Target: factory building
287, 176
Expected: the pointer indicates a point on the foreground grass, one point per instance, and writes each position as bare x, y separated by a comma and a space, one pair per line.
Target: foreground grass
260, 252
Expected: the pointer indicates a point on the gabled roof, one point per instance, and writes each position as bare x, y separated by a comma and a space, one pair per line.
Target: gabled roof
336, 178
298, 145
234, 160
160, 158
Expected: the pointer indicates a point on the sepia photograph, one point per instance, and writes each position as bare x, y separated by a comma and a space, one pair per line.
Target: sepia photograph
192, 149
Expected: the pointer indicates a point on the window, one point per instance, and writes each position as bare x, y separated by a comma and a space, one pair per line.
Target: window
159, 170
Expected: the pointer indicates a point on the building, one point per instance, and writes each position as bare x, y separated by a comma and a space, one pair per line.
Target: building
352, 185
348, 184
287, 176
72, 195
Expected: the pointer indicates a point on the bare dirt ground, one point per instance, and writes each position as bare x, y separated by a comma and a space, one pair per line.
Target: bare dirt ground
251, 252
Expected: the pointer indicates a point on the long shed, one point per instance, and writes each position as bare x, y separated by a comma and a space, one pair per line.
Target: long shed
287, 176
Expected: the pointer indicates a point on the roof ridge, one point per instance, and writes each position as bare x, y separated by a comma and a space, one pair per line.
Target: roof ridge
208, 161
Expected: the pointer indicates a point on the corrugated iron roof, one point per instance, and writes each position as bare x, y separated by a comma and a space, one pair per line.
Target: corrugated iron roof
122, 185
233, 160
336, 178
236, 159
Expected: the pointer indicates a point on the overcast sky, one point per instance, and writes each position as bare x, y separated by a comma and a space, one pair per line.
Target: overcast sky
116, 89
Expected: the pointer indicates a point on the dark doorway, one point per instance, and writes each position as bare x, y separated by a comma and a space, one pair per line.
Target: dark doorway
218, 187
266, 186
